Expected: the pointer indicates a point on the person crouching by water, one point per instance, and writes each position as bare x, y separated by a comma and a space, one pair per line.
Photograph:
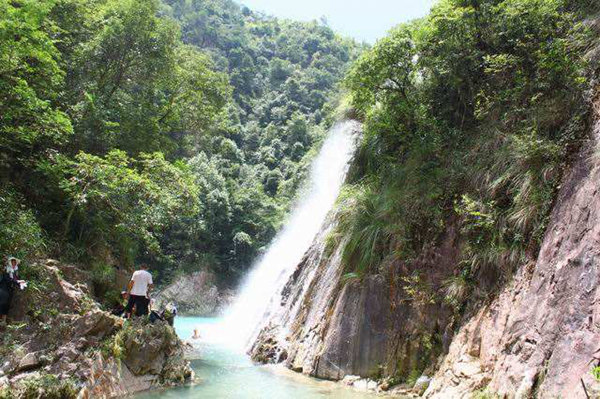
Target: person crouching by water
139, 292
9, 282
119, 308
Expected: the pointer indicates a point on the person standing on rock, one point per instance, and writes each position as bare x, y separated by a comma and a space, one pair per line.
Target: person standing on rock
139, 291
8, 284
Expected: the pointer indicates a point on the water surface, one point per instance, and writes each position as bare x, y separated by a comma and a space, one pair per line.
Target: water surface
224, 373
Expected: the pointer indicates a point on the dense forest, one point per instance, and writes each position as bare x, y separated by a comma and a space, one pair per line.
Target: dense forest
472, 115
174, 133
177, 133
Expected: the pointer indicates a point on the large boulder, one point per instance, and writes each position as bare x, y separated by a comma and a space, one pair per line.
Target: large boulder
154, 348
151, 356
65, 346
196, 294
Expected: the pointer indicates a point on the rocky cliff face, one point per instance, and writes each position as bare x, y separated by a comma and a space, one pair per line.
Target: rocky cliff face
330, 327
541, 336
61, 344
538, 337
196, 294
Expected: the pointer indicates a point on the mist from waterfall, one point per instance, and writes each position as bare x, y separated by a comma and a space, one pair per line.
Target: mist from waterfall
269, 274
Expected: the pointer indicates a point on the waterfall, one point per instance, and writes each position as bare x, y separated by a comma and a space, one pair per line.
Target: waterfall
269, 274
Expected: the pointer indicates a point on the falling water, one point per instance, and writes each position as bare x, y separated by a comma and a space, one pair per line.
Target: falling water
267, 277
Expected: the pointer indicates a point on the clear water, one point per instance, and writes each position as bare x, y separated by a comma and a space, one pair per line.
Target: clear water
223, 373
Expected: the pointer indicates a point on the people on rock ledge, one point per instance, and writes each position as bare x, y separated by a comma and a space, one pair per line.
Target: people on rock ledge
136, 301
139, 289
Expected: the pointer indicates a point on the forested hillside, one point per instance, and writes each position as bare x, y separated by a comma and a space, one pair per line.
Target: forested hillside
286, 79
172, 133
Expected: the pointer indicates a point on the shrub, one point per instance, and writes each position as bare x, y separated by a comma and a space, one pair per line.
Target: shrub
47, 386
20, 233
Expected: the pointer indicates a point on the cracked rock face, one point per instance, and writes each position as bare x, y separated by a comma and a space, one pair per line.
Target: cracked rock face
330, 327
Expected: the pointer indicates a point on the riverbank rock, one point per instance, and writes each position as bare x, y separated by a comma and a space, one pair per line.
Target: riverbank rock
421, 385
196, 294
150, 356
62, 345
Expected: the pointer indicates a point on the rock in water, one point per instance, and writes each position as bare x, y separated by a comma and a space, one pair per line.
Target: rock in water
421, 385
152, 356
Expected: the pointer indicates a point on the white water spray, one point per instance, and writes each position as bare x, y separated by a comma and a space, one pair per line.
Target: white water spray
268, 276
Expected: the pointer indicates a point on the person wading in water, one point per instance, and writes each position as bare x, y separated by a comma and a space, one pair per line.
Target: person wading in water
139, 292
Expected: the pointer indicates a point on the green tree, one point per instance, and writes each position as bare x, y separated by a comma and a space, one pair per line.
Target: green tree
31, 119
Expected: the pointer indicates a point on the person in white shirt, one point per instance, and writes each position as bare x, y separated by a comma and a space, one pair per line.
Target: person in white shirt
139, 291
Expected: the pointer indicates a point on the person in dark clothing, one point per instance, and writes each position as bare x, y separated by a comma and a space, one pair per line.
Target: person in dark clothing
9, 282
119, 309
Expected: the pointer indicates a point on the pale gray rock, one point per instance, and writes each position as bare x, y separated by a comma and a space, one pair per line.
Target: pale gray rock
196, 294
421, 385
29, 362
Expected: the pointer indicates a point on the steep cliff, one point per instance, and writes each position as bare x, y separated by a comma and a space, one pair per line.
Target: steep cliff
538, 336
61, 344
331, 325
541, 335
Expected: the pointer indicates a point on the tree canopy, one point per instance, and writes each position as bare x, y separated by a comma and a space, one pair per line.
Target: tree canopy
471, 114
172, 132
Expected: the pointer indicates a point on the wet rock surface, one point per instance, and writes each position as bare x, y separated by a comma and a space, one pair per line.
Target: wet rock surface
331, 327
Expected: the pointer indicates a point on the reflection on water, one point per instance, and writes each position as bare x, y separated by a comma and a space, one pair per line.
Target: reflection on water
222, 373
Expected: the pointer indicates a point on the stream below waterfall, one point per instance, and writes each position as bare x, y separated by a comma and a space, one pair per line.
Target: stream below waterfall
223, 370
226, 373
